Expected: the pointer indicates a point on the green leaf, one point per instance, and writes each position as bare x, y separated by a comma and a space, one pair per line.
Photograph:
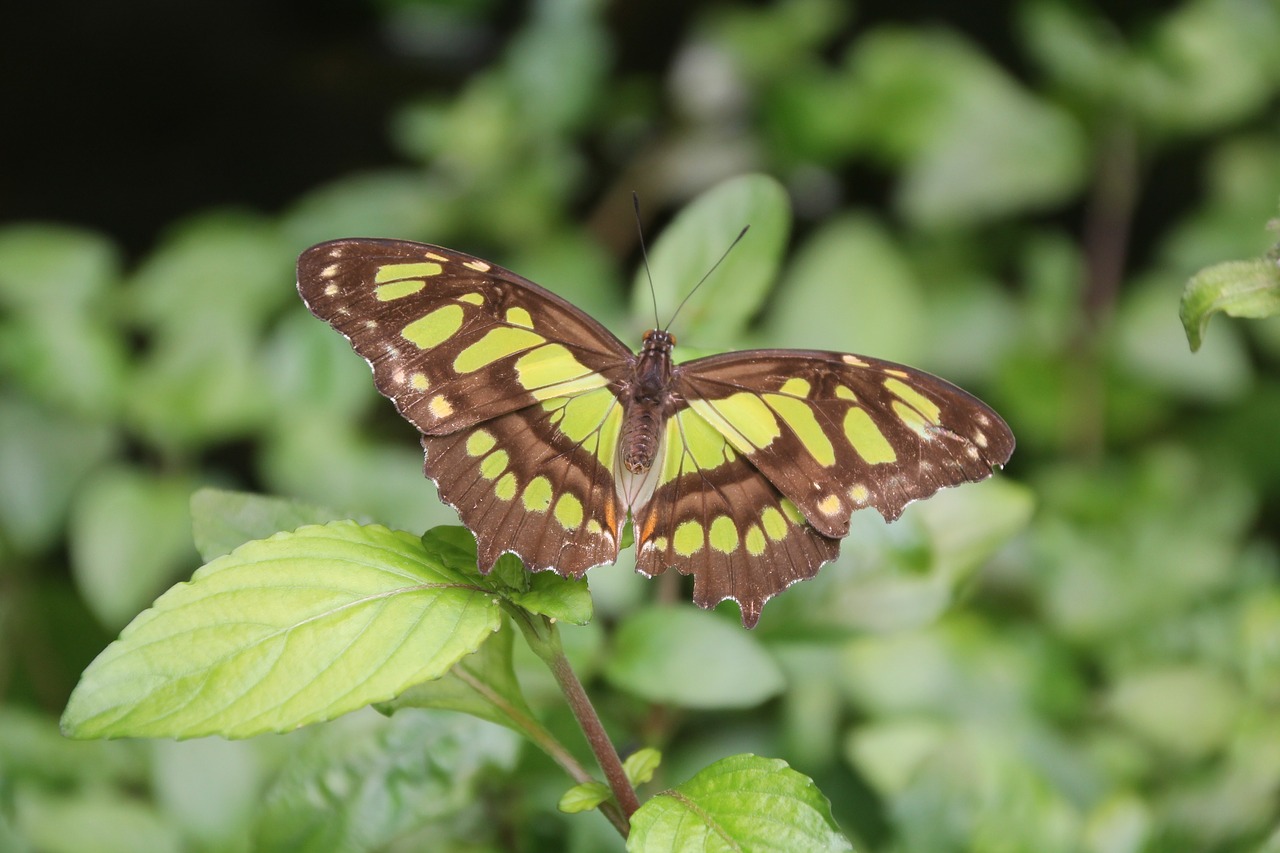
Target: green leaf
975, 145
314, 374
389, 201
851, 288
365, 781
482, 684
556, 597
193, 392
282, 632
74, 363
691, 658
545, 593
211, 787
103, 821
359, 477
556, 66
1152, 351
641, 765
985, 788
130, 538
44, 458
1154, 704
1248, 289
219, 272
743, 802
223, 520
32, 749
889, 752
697, 238
37, 261
907, 574
584, 797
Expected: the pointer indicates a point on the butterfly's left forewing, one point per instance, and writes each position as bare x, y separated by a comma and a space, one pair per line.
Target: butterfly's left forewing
513, 389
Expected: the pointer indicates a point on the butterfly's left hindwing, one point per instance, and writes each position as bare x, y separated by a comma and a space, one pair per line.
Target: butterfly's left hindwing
513, 389
715, 516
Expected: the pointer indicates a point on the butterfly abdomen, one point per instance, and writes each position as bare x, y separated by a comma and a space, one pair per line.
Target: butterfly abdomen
648, 402
640, 433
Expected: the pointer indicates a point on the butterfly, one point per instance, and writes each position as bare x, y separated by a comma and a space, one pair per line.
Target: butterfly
546, 433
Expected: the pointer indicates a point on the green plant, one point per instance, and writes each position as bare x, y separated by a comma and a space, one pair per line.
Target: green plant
305, 626
1078, 655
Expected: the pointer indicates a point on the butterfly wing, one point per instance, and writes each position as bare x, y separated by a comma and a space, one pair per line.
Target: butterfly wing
714, 515
512, 387
774, 449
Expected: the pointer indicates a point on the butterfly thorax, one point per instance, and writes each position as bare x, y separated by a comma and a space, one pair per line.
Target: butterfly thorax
648, 402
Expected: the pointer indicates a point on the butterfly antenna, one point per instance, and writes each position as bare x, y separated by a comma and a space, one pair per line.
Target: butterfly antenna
644, 253
735, 242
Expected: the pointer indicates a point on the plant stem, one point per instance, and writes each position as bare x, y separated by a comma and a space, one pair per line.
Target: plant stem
1107, 223
539, 734
544, 639
597, 737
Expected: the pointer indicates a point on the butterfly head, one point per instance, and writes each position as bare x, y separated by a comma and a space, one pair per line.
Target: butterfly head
658, 340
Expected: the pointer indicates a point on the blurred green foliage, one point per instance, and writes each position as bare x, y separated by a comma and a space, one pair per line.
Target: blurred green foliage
1083, 654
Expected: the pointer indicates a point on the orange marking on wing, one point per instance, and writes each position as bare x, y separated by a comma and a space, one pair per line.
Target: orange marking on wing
610, 518
650, 523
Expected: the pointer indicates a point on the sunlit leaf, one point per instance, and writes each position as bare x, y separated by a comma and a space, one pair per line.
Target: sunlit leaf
743, 802
641, 765
282, 632
1236, 288
482, 684
584, 797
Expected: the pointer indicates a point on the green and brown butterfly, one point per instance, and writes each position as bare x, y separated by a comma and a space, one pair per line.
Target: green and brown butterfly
546, 433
